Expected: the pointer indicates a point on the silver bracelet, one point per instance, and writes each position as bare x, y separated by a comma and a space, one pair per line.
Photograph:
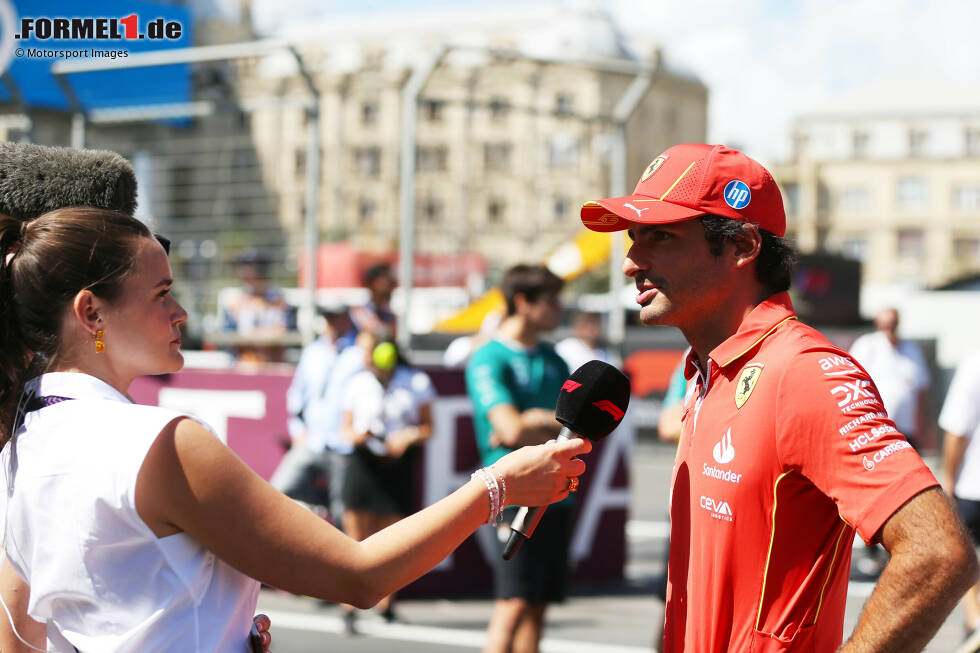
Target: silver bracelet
494, 491
503, 489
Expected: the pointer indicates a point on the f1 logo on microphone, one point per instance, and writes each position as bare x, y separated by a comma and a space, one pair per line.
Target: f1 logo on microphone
570, 386
609, 407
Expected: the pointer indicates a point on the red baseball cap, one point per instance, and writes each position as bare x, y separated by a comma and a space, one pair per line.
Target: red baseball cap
691, 180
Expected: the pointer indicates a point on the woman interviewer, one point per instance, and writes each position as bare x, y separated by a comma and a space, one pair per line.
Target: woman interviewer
133, 528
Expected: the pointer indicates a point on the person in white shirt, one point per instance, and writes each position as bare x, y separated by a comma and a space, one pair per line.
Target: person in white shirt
960, 420
133, 528
386, 417
312, 456
900, 373
585, 343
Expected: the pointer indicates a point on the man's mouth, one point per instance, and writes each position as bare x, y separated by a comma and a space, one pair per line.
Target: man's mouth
646, 295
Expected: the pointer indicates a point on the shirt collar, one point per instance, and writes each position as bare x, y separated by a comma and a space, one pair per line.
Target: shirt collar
74, 385
757, 325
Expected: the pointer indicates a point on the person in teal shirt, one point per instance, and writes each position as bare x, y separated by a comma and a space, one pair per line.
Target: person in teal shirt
514, 381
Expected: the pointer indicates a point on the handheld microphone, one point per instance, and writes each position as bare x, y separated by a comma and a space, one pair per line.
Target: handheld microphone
35, 179
592, 402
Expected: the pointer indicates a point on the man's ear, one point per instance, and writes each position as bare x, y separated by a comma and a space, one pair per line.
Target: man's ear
87, 310
520, 303
747, 245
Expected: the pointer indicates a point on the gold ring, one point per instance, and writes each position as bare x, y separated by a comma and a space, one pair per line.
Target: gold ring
573, 484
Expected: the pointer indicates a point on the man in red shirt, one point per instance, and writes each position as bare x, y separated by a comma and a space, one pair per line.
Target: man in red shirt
786, 450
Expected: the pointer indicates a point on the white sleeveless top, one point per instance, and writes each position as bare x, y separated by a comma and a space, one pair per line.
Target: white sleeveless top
99, 577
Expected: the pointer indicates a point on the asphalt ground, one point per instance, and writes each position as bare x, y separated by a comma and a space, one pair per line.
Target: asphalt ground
617, 617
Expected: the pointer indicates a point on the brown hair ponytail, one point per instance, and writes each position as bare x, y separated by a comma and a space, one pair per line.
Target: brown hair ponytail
45, 263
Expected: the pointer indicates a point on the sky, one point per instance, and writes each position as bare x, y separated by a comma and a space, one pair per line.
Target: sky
764, 61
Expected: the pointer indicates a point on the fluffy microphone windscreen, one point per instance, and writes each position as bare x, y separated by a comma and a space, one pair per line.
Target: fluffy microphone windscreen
593, 400
35, 179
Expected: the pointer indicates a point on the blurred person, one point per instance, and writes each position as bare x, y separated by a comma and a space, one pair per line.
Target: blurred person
259, 314
102, 491
901, 374
960, 419
460, 349
514, 381
379, 279
786, 450
669, 426
672, 406
308, 460
387, 415
585, 343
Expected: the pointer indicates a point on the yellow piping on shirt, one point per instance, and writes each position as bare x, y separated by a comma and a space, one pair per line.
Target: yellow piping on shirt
830, 570
761, 338
772, 539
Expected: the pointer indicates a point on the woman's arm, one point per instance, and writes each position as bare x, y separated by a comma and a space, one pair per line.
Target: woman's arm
16, 593
190, 481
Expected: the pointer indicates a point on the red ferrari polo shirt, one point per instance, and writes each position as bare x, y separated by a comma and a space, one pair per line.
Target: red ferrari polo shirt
786, 452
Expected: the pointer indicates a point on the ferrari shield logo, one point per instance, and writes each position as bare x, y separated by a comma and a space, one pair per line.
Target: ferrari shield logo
652, 168
746, 384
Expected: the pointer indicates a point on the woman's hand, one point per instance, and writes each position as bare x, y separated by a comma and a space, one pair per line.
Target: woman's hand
539, 475
262, 624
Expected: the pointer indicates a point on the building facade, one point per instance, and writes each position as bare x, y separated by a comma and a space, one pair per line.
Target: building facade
891, 178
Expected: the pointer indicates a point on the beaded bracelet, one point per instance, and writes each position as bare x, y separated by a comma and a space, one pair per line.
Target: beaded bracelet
494, 491
503, 488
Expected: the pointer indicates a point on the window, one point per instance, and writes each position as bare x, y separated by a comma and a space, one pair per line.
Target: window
495, 211
561, 210
966, 197
911, 243
972, 142
300, 162
859, 144
791, 193
367, 161
563, 150
912, 193
917, 142
564, 104
967, 249
431, 209
430, 158
365, 211
853, 198
369, 113
854, 248
432, 110
496, 156
801, 143
499, 109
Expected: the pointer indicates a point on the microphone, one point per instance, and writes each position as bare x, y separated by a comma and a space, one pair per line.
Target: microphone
592, 402
35, 179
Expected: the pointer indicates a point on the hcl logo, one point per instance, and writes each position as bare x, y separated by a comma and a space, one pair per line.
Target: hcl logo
737, 194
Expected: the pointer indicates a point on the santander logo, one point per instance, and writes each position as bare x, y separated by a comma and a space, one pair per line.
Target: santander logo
724, 452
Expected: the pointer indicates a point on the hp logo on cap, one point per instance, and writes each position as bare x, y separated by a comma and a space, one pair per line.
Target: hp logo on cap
737, 194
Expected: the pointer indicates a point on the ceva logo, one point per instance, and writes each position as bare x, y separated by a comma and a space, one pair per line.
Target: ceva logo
718, 509
724, 452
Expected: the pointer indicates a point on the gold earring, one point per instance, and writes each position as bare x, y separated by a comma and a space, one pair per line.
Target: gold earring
99, 343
